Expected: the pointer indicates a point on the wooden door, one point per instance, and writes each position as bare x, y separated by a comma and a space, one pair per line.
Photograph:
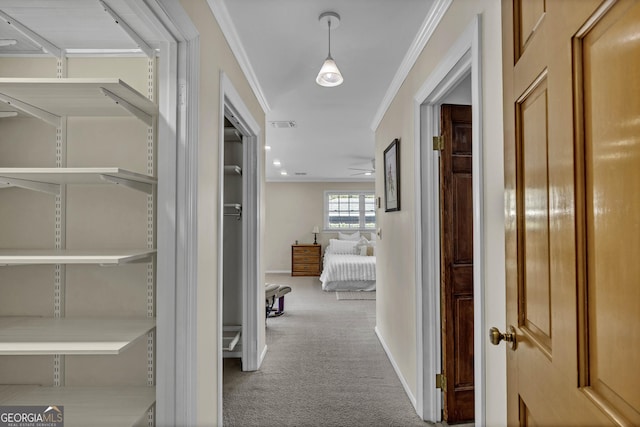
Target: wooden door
572, 174
456, 201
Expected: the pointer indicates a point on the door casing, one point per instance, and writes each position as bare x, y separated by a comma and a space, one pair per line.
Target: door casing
463, 58
231, 104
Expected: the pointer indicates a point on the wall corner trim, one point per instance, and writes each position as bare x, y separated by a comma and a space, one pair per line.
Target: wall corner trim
229, 30
262, 355
433, 18
396, 368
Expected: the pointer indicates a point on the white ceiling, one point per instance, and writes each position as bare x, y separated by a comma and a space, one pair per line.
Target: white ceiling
285, 46
72, 24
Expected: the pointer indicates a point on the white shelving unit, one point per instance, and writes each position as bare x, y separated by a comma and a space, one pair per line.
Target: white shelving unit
86, 406
52, 100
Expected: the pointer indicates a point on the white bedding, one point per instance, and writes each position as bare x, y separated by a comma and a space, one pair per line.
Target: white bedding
348, 273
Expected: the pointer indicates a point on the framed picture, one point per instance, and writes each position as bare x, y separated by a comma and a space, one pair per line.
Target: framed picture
392, 177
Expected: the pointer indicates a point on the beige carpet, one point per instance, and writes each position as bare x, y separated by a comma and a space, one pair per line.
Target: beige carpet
348, 295
324, 367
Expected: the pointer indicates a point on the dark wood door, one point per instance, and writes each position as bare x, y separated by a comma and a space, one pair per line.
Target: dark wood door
456, 207
572, 193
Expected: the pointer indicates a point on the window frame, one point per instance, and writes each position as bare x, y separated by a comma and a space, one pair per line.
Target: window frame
361, 207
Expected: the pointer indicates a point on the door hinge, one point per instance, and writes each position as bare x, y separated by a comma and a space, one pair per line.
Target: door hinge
438, 143
441, 382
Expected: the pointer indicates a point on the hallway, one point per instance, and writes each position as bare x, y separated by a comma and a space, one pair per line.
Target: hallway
324, 367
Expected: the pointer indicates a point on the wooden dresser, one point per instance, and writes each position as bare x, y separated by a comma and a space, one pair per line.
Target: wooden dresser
306, 260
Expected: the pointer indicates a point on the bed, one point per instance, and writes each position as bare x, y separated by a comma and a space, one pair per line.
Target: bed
347, 267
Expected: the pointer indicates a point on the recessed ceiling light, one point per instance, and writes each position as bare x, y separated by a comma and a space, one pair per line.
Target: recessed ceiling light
367, 173
5, 114
267, 148
276, 162
283, 173
8, 42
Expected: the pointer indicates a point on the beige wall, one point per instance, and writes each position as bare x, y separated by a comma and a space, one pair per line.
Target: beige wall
215, 56
396, 281
292, 210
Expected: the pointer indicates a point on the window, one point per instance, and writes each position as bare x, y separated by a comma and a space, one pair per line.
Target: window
349, 210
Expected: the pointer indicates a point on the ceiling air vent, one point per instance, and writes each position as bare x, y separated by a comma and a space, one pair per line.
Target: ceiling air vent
284, 124
300, 173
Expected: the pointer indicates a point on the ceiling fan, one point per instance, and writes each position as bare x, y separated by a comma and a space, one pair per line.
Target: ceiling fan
366, 172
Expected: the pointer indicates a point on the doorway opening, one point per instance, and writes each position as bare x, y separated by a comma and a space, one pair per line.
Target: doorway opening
240, 292
461, 64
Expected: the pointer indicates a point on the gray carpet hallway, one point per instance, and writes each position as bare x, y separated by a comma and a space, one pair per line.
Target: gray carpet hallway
324, 367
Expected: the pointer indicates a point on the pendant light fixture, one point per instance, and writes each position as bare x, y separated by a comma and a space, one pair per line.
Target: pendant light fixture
329, 75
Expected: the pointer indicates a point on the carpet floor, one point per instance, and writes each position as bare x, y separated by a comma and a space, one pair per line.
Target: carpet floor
324, 367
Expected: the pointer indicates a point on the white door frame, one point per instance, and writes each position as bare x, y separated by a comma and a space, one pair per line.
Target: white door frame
462, 59
231, 104
178, 74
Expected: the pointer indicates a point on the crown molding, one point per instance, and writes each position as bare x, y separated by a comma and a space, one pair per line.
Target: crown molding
312, 180
229, 30
436, 13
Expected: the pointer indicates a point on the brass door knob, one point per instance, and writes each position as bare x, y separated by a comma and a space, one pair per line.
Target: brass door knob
495, 336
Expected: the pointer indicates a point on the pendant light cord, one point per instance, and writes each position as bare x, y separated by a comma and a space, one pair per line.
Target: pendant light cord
329, 24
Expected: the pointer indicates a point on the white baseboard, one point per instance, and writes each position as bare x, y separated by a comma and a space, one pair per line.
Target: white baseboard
397, 369
262, 356
278, 272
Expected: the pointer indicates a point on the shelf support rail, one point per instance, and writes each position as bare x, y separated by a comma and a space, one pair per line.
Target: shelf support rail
36, 112
44, 44
135, 185
43, 187
128, 106
148, 50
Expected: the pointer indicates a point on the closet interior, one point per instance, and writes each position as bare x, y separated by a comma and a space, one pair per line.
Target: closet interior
233, 230
77, 247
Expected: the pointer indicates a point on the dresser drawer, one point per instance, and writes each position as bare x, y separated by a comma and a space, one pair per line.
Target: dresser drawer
306, 250
308, 268
305, 259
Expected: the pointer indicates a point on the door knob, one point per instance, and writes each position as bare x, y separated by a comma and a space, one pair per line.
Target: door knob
495, 336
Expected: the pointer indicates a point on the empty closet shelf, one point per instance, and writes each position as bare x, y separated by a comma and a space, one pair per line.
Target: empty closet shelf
86, 406
73, 256
230, 337
232, 170
231, 134
39, 335
233, 209
49, 180
51, 98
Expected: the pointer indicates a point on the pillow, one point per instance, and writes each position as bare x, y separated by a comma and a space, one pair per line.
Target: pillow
354, 236
345, 247
373, 238
362, 246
